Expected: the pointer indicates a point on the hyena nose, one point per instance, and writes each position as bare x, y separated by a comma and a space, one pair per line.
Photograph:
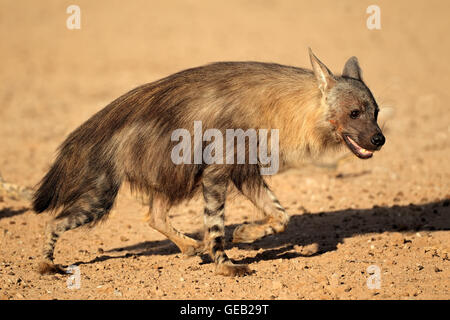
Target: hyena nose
378, 139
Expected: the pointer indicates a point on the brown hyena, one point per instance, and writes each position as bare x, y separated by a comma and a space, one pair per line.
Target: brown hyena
130, 141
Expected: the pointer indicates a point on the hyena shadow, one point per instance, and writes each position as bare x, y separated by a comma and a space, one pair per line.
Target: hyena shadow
9, 212
146, 248
325, 230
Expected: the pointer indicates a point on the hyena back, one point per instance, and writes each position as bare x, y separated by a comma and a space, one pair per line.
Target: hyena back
130, 141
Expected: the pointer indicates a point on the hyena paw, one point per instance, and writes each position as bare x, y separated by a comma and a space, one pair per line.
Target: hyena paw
233, 270
191, 251
246, 234
48, 267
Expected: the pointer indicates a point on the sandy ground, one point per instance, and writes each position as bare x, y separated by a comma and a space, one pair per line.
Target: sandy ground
391, 211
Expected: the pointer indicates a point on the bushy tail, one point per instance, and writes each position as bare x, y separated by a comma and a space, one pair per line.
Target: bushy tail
84, 176
48, 195
80, 179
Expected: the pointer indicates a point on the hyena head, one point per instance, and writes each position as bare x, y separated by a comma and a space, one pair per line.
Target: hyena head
351, 107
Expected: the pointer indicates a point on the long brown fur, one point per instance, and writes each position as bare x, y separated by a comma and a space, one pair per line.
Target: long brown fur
129, 141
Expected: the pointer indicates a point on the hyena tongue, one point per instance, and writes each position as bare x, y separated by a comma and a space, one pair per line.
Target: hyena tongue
365, 152
360, 150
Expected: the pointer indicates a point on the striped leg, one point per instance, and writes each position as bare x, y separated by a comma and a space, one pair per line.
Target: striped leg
88, 209
276, 218
56, 228
214, 193
159, 220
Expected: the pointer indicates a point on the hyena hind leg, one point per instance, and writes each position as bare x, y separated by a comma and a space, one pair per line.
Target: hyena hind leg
71, 219
214, 193
158, 219
276, 218
89, 208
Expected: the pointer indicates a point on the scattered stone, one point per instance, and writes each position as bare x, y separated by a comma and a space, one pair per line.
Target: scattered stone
334, 279
308, 250
277, 285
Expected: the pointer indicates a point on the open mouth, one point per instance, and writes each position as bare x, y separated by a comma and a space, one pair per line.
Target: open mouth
359, 151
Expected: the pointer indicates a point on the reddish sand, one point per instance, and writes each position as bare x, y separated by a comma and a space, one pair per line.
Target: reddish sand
391, 211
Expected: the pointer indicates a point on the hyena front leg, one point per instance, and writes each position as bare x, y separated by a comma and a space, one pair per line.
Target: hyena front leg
276, 218
159, 220
214, 193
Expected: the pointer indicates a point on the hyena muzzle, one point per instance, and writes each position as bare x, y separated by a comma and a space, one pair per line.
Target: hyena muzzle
130, 141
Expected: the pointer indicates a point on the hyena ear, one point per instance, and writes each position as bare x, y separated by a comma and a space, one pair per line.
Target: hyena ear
352, 69
323, 74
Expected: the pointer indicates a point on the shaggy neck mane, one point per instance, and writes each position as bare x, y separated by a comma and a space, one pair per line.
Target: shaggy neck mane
301, 117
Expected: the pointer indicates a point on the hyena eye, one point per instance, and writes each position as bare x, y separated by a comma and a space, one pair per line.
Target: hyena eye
355, 114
